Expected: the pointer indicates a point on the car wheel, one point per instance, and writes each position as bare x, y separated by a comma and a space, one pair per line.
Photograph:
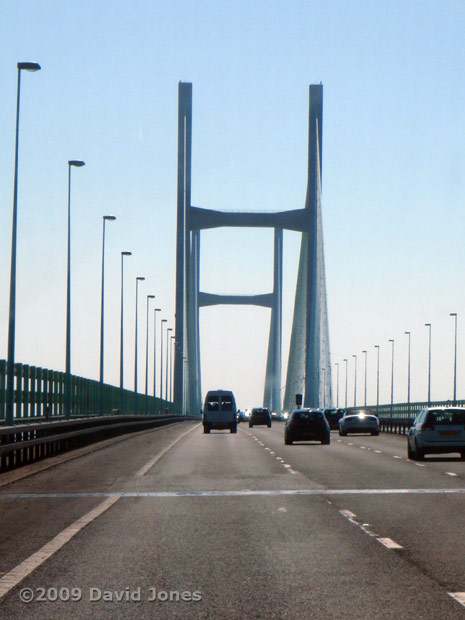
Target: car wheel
462, 455
250, 425
410, 453
342, 433
375, 433
419, 452
269, 425
326, 441
206, 429
287, 441
233, 428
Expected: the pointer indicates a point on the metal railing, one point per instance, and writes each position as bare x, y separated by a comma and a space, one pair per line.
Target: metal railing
39, 394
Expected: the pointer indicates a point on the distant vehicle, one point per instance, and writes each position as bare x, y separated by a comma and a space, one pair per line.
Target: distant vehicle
219, 411
358, 421
260, 415
242, 416
305, 425
333, 416
276, 417
437, 430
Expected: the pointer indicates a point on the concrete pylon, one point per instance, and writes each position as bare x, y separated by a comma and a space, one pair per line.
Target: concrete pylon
309, 340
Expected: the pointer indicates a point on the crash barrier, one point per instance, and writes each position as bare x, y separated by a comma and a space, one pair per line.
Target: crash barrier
22, 444
397, 418
39, 394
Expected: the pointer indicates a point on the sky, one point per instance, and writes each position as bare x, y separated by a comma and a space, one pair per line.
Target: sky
393, 184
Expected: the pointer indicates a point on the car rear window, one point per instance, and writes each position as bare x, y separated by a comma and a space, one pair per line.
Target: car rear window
226, 403
444, 418
308, 415
212, 404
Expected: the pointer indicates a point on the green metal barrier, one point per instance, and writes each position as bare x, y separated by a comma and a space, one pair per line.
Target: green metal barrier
40, 394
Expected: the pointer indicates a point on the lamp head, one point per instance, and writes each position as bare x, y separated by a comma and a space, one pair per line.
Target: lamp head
77, 163
109, 218
150, 296
140, 278
29, 66
126, 253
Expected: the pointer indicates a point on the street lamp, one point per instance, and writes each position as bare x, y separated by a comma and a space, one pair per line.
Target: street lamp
355, 382
149, 297
138, 279
366, 353
429, 363
377, 380
173, 344
408, 373
454, 314
73, 163
346, 361
155, 350
392, 374
123, 254
163, 321
337, 385
10, 386
323, 370
170, 329
106, 218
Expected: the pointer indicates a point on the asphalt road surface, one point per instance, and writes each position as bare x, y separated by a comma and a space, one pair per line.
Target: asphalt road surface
172, 523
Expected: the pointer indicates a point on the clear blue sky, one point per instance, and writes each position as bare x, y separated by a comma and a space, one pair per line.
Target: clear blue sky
393, 180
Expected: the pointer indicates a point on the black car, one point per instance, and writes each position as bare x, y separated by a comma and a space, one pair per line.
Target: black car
307, 424
333, 416
260, 415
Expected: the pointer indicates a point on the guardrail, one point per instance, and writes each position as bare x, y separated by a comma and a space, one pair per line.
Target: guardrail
400, 416
40, 395
25, 443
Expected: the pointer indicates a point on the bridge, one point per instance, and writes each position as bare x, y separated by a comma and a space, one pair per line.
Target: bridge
115, 505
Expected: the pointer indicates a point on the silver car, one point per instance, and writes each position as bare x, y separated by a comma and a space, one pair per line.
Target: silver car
437, 430
358, 421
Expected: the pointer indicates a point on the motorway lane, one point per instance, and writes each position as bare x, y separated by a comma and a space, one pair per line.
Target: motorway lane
250, 555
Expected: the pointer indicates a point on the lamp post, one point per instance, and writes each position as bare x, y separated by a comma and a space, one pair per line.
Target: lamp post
138, 279
355, 382
106, 218
366, 354
454, 314
149, 297
121, 357
323, 370
377, 380
170, 329
155, 350
337, 385
173, 344
163, 321
392, 373
429, 363
73, 163
346, 361
10, 386
408, 373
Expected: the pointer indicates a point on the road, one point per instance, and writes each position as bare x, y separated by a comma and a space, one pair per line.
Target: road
234, 526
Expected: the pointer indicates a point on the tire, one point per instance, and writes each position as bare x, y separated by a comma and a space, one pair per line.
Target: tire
326, 441
375, 433
342, 434
410, 453
287, 441
250, 425
206, 429
233, 428
269, 425
419, 453
462, 455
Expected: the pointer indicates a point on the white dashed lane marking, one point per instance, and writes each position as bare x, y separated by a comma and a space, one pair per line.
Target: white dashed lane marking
366, 528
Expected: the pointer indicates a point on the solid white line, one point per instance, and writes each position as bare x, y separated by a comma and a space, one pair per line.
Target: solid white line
240, 493
143, 470
459, 597
389, 544
17, 574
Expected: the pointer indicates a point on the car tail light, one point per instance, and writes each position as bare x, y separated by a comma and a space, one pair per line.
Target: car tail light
427, 427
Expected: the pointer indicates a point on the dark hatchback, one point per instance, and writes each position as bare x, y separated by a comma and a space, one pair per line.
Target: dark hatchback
307, 425
333, 416
260, 415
